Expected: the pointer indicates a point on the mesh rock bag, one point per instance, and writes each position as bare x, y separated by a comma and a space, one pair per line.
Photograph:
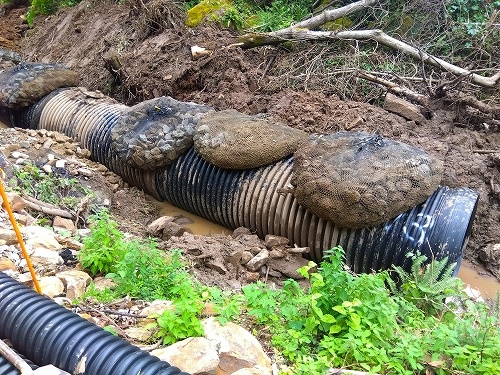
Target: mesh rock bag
357, 179
28, 82
233, 140
156, 132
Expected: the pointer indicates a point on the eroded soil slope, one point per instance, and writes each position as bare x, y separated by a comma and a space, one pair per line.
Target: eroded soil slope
135, 54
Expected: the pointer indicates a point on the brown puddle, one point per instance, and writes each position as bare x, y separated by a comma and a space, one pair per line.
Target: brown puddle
480, 279
198, 225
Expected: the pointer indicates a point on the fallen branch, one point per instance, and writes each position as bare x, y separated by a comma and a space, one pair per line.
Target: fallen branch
46, 208
396, 89
469, 100
10, 355
295, 34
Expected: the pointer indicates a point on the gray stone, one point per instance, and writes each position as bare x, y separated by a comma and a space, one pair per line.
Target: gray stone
258, 261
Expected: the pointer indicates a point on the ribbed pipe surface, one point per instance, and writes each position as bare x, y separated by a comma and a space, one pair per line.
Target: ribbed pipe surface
7, 368
48, 333
437, 228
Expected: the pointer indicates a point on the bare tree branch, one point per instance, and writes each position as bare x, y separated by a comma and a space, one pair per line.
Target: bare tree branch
396, 89
296, 34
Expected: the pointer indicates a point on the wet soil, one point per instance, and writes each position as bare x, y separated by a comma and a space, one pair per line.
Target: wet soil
133, 54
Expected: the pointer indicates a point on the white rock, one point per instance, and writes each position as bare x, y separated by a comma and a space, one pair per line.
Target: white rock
51, 286
195, 355
75, 281
236, 342
40, 237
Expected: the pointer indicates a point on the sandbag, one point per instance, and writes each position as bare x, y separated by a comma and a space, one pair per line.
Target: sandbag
26, 83
233, 140
156, 132
357, 179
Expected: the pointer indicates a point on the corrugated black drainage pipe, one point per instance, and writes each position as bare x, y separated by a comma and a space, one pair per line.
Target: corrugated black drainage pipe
47, 333
437, 228
7, 368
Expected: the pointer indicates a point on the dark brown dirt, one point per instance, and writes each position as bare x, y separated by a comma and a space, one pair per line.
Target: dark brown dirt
119, 50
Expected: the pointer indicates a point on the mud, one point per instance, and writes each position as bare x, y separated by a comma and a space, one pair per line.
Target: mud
117, 50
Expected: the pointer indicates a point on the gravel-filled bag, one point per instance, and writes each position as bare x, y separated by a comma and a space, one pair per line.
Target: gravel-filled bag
357, 179
233, 140
26, 83
156, 132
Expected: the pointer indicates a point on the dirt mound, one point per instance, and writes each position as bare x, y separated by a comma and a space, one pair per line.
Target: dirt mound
108, 44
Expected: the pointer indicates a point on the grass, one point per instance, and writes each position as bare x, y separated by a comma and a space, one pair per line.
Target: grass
366, 322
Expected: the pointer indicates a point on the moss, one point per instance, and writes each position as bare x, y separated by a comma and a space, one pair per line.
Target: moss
337, 25
207, 9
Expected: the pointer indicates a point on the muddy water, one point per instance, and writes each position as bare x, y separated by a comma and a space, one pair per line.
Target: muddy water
479, 278
196, 225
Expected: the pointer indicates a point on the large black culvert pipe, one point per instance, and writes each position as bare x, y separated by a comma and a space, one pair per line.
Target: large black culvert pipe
48, 333
439, 227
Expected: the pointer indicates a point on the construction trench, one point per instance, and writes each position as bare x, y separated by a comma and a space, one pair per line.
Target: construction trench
257, 198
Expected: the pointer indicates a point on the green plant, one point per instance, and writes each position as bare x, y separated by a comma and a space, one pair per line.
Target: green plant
103, 249
357, 321
427, 285
47, 7
60, 190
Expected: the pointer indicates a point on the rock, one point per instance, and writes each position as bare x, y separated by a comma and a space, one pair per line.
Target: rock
216, 266
101, 283
156, 308
138, 333
258, 261
252, 277
15, 201
490, 255
75, 281
84, 172
48, 259
40, 237
401, 107
156, 227
275, 241
196, 355
246, 256
288, 266
275, 254
172, 229
51, 286
236, 345
64, 224
256, 370
49, 370
241, 231
8, 236
7, 264
26, 279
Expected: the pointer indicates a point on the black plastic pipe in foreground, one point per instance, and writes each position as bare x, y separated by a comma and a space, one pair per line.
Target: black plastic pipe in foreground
438, 228
47, 333
7, 368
